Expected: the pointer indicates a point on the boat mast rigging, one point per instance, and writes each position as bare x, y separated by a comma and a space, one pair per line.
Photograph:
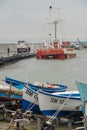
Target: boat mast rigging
55, 27
55, 22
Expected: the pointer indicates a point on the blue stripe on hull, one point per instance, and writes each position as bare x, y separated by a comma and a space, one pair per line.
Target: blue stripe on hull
61, 113
26, 105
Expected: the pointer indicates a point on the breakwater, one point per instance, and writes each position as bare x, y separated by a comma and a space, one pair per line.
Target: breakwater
12, 56
13, 47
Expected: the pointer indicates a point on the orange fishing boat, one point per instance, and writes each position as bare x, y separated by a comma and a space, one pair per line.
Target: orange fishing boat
56, 53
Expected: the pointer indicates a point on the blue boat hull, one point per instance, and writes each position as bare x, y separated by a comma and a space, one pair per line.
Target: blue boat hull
20, 85
15, 82
26, 105
82, 87
60, 113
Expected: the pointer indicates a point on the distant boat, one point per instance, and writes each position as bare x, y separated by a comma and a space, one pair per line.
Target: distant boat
56, 49
56, 53
59, 103
23, 47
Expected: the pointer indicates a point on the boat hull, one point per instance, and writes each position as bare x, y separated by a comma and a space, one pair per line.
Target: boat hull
9, 92
45, 87
62, 105
49, 87
6, 97
82, 87
58, 53
30, 100
27, 105
14, 82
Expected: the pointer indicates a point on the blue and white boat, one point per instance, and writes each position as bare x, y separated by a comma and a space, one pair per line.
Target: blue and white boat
16, 83
7, 91
30, 100
37, 85
48, 87
30, 96
59, 103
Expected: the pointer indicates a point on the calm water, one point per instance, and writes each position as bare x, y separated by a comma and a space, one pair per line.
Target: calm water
53, 71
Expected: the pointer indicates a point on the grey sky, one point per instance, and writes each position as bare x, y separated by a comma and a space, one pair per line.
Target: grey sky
26, 19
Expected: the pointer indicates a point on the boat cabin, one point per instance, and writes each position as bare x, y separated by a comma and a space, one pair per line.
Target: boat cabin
22, 47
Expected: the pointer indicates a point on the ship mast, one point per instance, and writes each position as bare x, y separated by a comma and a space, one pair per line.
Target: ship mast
50, 34
55, 27
55, 24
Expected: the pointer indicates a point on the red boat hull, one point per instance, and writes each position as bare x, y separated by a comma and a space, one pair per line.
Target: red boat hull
59, 53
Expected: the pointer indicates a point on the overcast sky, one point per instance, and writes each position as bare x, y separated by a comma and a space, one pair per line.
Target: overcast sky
26, 19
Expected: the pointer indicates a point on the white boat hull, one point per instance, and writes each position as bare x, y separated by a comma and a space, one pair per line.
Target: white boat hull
51, 103
30, 100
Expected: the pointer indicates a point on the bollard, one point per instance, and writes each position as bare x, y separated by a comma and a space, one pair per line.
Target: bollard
57, 120
18, 125
39, 120
14, 127
70, 123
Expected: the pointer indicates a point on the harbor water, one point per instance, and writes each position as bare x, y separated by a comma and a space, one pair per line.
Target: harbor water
53, 71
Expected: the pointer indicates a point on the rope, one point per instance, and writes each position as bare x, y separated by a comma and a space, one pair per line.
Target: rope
32, 106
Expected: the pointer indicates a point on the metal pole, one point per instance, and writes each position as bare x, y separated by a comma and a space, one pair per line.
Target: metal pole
85, 115
55, 27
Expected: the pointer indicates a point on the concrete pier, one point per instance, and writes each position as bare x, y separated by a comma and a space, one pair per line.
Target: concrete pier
14, 58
